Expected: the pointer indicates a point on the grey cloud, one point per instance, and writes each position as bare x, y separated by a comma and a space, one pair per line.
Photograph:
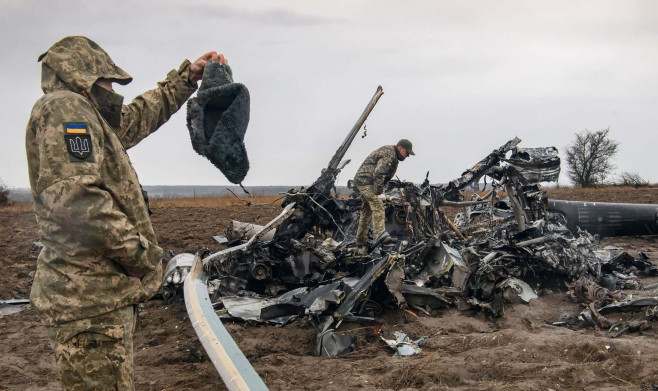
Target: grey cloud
272, 16
474, 70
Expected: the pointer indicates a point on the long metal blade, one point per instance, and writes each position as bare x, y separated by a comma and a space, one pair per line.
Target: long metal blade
234, 368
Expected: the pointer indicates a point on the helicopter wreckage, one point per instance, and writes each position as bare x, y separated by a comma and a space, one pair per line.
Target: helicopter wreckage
507, 245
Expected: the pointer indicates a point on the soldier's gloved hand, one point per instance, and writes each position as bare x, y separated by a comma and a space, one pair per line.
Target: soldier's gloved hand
196, 68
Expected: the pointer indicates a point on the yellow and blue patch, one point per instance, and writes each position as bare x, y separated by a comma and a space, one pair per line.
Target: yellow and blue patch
75, 128
78, 142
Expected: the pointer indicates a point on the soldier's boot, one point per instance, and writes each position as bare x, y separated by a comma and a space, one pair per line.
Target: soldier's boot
384, 238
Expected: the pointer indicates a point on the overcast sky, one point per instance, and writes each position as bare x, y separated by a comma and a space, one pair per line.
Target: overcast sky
460, 78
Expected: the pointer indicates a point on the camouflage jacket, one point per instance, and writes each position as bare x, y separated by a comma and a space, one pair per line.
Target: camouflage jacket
90, 212
378, 168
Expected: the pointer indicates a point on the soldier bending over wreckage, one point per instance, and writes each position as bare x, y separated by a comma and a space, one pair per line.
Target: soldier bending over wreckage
100, 255
370, 179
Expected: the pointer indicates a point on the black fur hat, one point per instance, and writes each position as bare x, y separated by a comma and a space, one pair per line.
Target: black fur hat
217, 119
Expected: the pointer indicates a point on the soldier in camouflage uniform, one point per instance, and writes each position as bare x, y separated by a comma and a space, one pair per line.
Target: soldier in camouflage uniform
370, 179
100, 255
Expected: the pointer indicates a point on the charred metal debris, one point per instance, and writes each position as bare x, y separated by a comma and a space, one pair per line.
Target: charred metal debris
506, 246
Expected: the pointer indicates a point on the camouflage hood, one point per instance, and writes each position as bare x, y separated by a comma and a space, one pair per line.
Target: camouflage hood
75, 63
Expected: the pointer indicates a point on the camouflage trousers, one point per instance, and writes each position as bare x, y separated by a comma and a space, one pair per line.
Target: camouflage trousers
96, 353
372, 210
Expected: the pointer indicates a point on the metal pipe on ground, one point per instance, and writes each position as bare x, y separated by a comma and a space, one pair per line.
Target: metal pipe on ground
608, 219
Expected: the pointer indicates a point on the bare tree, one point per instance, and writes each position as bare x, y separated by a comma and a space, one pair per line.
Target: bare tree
589, 157
4, 195
632, 179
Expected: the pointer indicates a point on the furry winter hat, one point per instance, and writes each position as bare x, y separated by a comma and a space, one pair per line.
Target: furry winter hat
217, 119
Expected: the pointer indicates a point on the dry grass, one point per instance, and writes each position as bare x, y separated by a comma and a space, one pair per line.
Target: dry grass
210, 202
17, 207
207, 202
647, 195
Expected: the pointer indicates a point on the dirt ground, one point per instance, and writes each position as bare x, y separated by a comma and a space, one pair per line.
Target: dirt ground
465, 350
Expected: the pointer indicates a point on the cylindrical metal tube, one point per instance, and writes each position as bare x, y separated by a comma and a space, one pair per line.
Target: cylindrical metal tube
608, 219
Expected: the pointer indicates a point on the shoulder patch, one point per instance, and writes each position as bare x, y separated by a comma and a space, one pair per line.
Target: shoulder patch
78, 142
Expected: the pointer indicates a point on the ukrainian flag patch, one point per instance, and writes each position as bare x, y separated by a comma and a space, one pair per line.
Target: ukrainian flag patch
75, 128
78, 142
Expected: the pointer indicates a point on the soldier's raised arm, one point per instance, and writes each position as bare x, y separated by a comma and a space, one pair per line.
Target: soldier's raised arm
148, 111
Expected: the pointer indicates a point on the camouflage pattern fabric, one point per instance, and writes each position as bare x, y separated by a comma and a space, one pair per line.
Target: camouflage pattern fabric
90, 212
378, 168
96, 353
372, 209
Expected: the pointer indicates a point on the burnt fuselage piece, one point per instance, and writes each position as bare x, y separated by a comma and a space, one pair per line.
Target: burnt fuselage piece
608, 219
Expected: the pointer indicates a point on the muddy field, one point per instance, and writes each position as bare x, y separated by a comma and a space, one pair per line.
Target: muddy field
465, 350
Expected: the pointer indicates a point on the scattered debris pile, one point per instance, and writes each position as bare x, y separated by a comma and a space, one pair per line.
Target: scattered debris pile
498, 250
